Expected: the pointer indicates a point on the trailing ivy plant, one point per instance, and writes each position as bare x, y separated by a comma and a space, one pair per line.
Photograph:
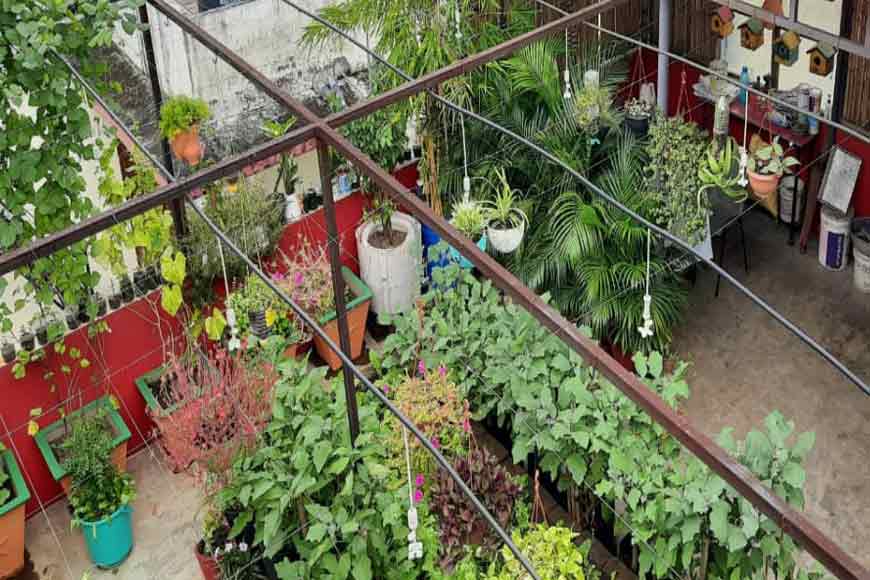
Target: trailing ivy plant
47, 136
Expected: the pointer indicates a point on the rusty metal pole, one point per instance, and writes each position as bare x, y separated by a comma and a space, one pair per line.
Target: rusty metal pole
338, 285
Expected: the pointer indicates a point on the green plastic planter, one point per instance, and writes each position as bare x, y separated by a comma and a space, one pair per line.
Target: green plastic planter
48, 434
110, 540
150, 400
12, 519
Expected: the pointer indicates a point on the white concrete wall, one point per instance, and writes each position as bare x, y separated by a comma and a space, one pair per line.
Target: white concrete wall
820, 14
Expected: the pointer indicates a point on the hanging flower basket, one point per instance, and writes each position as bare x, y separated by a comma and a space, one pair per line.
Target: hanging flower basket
507, 240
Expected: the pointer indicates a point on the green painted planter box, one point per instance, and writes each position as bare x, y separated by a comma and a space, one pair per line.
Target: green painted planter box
145, 390
51, 433
12, 519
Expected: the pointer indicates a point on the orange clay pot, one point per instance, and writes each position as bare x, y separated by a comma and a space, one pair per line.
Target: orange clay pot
357, 313
12, 519
187, 146
762, 184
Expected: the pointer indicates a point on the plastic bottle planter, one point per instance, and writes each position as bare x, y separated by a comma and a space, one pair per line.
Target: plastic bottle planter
42, 334
127, 292
12, 519
110, 540
115, 301
101, 307
52, 435
28, 341
72, 320
140, 282
357, 312
391, 273
8, 351
463, 261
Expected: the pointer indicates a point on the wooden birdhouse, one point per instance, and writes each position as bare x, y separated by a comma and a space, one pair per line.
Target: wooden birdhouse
752, 34
786, 48
722, 22
773, 6
822, 59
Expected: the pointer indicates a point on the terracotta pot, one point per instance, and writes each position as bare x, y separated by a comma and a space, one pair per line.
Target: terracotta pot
12, 520
208, 564
357, 312
187, 146
763, 185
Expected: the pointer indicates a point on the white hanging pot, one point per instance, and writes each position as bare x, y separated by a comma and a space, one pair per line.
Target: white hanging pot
506, 241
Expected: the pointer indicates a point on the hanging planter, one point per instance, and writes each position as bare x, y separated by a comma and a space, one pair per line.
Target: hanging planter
506, 222
389, 261
28, 341
16, 494
470, 218
637, 116
767, 163
180, 118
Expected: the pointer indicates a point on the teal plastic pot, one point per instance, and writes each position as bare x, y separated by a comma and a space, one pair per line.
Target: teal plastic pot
463, 261
110, 540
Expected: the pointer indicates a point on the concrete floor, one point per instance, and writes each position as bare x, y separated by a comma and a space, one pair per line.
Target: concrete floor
746, 366
164, 532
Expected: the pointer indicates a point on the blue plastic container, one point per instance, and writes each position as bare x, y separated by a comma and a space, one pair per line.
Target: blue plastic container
430, 239
110, 540
463, 261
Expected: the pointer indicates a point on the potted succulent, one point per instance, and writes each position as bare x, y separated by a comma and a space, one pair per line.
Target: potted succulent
469, 217
50, 439
101, 494
13, 497
180, 118
767, 164
720, 171
637, 116
390, 250
308, 280
506, 221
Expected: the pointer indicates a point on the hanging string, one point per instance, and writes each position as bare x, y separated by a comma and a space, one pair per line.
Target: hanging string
744, 149
457, 16
684, 96
234, 343
646, 330
415, 548
466, 180
566, 74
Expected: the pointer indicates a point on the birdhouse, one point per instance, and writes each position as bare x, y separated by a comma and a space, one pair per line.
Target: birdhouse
722, 22
773, 6
752, 34
785, 49
822, 59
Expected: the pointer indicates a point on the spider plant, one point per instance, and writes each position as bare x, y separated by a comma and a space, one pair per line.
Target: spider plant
503, 212
469, 217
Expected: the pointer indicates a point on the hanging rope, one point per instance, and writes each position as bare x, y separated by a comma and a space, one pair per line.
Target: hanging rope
466, 180
415, 548
234, 343
566, 74
646, 330
684, 100
744, 149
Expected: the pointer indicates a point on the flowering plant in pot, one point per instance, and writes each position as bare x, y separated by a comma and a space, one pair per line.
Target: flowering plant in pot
637, 116
180, 118
470, 218
100, 494
13, 497
767, 164
506, 222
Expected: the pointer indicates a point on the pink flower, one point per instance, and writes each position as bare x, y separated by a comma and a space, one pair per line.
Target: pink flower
420, 480
435, 443
421, 367
466, 425
442, 371
418, 496
386, 389
277, 276
298, 278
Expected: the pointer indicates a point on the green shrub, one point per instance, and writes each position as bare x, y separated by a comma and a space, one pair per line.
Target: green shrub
551, 551
179, 114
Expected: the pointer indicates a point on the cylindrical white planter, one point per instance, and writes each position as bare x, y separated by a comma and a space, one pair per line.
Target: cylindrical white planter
392, 274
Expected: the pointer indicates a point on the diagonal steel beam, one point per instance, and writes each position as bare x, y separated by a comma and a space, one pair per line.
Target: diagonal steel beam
42, 247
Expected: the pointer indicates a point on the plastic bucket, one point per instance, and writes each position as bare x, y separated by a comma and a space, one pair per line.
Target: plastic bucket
110, 540
834, 239
786, 197
463, 261
862, 271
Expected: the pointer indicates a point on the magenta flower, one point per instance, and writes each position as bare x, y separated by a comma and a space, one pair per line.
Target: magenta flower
435, 443
386, 389
298, 278
466, 425
277, 276
421, 367
418, 496
442, 371
419, 480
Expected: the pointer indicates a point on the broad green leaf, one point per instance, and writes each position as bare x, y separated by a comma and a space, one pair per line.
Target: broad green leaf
577, 466
321, 454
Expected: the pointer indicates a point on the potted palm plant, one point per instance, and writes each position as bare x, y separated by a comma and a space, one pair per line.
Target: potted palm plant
101, 494
506, 221
469, 217
767, 164
13, 497
180, 118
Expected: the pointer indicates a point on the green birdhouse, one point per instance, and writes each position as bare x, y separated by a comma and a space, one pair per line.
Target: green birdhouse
752, 34
786, 48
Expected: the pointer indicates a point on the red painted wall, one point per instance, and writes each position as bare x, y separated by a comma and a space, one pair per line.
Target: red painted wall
133, 347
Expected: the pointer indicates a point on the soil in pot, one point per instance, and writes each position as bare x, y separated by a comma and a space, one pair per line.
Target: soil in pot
378, 239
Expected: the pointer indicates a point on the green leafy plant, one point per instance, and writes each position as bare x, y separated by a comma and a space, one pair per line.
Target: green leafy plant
553, 553
470, 218
460, 523
720, 171
307, 278
638, 109
288, 169
98, 489
5, 481
254, 296
769, 158
180, 114
503, 211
